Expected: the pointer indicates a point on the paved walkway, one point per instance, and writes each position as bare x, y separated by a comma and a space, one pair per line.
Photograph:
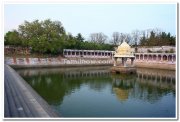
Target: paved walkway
20, 100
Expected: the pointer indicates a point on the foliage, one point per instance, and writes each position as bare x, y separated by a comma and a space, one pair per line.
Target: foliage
50, 37
155, 39
12, 38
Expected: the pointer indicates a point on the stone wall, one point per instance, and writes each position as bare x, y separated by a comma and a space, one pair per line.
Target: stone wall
156, 49
55, 61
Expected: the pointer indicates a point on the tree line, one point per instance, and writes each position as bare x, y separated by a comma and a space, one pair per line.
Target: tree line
50, 37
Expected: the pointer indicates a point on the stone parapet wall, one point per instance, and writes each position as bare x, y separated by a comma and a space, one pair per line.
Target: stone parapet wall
55, 61
75, 62
162, 49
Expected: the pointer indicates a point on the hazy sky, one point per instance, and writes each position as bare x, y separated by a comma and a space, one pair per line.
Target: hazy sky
90, 18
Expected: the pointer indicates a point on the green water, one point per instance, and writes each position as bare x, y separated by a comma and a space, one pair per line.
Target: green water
95, 92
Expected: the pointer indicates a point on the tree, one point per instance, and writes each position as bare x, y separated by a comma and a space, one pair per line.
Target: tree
128, 38
116, 38
79, 37
122, 37
13, 38
45, 37
98, 38
135, 37
143, 39
157, 38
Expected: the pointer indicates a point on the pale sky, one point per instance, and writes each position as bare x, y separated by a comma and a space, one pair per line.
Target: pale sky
92, 18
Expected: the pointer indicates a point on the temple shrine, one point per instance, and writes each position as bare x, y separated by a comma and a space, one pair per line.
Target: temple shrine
124, 53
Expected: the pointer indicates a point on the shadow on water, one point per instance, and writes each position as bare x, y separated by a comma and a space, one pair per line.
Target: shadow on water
55, 84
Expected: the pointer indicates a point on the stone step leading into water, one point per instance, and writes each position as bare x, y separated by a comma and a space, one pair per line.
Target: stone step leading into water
21, 100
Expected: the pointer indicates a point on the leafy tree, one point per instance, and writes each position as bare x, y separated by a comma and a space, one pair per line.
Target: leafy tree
160, 39
79, 37
12, 38
44, 37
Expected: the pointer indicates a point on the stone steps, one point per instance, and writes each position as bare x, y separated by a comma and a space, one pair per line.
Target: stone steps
21, 100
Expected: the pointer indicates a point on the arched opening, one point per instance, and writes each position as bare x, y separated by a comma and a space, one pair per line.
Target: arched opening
154, 57
170, 58
150, 57
88, 53
137, 57
159, 57
145, 57
73, 53
141, 57
77, 53
164, 58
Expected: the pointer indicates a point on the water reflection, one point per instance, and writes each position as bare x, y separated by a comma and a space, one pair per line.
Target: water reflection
54, 84
137, 87
122, 85
148, 85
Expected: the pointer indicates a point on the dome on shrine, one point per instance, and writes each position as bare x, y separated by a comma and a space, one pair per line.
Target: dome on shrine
124, 50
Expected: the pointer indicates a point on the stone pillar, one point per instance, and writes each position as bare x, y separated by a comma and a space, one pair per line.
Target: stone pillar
115, 61
125, 59
161, 57
71, 53
172, 58
122, 61
75, 53
132, 61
